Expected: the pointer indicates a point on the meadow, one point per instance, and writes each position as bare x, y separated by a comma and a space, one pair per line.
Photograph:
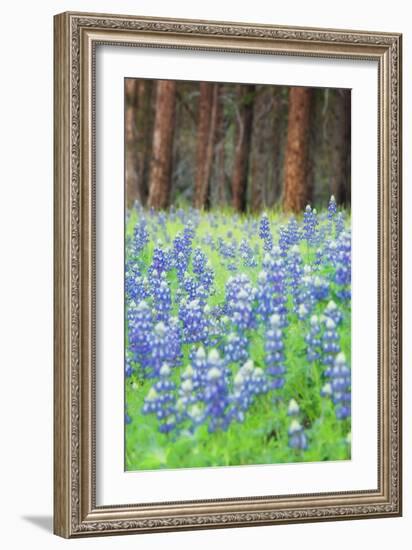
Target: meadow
238, 337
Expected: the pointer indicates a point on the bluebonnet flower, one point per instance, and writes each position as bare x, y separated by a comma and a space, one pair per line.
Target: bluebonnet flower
297, 436
186, 397
248, 382
289, 235
127, 418
181, 251
161, 261
164, 347
338, 388
271, 292
330, 344
235, 348
136, 286
199, 261
320, 288
162, 298
343, 266
313, 340
216, 393
265, 233
188, 234
313, 288
332, 209
199, 365
274, 350
206, 278
228, 251
161, 400
240, 296
295, 270
128, 371
140, 236
194, 321
247, 254
333, 312
140, 325
310, 223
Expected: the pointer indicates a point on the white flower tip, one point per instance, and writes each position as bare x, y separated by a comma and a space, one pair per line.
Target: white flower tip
201, 354
275, 320
213, 373
213, 356
165, 370
160, 328
340, 358
248, 366
293, 407
152, 395
295, 426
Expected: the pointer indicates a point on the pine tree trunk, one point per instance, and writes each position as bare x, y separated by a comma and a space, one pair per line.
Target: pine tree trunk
296, 157
161, 162
220, 152
144, 134
262, 155
243, 139
341, 151
131, 160
206, 134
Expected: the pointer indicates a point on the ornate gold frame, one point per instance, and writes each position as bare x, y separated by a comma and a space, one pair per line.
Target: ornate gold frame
75, 38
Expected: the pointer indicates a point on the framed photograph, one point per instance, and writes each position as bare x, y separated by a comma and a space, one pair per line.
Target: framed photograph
227, 274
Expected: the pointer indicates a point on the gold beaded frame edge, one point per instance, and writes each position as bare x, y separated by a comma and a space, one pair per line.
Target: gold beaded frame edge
76, 36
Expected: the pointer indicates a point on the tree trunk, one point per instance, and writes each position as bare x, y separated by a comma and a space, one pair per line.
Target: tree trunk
206, 134
144, 134
341, 147
263, 153
243, 138
220, 152
131, 160
296, 157
161, 163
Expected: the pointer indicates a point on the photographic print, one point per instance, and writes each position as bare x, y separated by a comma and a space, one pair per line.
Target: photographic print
237, 274
227, 291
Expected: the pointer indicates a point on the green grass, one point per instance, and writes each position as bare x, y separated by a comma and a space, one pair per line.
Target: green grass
262, 438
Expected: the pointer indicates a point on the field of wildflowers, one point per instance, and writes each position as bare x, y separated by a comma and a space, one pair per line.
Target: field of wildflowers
238, 335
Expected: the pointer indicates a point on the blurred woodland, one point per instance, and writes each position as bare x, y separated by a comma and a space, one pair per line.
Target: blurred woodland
248, 146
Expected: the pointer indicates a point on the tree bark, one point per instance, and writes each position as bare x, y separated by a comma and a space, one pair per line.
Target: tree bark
296, 156
220, 170
243, 139
263, 149
144, 134
341, 148
206, 135
161, 162
131, 160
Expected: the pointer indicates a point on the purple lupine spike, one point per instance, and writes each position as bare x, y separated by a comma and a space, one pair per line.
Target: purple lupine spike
330, 344
338, 387
161, 400
297, 436
313, 340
